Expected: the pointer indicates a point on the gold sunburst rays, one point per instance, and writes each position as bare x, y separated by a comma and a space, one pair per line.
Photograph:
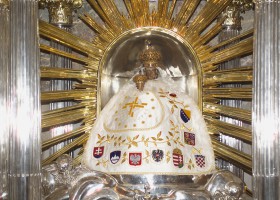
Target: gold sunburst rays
234, 75
60, 73
54, 33
66, 136
236, 113
236, 157
216, 126
197, 29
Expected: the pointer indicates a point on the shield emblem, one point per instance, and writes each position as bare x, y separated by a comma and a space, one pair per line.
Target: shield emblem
157, 155
189, 138
200, 160
135, 159
98, 152
115, 156
185, 115
178, 159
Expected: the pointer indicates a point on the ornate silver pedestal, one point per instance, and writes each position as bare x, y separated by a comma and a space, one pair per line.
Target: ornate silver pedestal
61, 181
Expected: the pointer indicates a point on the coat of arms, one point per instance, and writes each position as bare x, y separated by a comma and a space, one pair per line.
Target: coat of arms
185, 115
200, 160
115, 156
189, 138
157, 155
98, 152
178, 159
135, 159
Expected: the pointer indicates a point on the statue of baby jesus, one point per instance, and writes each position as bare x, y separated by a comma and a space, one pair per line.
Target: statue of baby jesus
150, 127
148, 134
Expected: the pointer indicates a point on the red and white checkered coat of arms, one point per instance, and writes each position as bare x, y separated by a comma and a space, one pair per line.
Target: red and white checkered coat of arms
200, 160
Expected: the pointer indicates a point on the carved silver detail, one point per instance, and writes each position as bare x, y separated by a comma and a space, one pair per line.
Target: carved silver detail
61, 11
61, 181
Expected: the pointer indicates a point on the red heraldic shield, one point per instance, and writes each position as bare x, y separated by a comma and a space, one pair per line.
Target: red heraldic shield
98, 152
178, 159
200, 160
189, 138
135, 159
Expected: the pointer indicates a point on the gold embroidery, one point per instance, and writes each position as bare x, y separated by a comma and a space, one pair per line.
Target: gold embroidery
102, 162
172, 100
134, 105
168, 157
190, 164
106, 128
195, 150
129, 142
147, 156
124, 158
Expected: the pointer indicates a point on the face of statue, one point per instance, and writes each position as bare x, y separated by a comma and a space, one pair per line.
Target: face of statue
151, 73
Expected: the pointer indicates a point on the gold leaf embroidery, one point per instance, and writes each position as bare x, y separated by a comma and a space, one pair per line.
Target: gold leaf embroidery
172, 109
147, 152
134, 144
102, 162
168, 156
124, 157
136, 137
159, 134
146, 142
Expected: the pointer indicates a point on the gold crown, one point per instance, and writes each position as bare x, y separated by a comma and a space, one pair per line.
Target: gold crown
140, 78
150, 55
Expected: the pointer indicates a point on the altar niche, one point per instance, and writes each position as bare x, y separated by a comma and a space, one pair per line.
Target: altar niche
121, 61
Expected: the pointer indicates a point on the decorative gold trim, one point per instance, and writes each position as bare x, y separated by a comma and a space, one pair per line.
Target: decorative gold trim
140, 129
207, 59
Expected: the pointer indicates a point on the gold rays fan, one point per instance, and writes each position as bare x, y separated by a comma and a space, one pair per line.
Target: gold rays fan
187, 29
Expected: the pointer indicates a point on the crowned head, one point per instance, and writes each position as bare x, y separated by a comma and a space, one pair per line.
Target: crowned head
151, 59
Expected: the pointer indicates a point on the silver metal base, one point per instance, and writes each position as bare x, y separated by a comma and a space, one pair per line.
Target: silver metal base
61, 181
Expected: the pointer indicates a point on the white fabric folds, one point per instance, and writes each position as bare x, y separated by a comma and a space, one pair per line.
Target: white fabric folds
158, 130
